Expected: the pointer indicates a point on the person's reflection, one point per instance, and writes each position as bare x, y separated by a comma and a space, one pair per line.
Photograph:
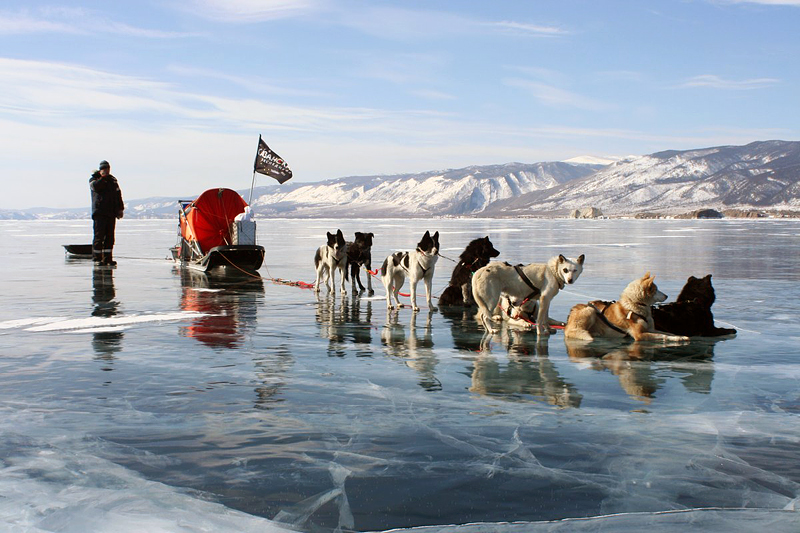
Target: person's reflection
637, 364
105, 343
227, 307
271, 367
528, 372
416, 349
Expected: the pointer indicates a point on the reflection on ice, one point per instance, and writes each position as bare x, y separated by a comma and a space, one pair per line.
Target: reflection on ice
634, 364
225, 308
257, 407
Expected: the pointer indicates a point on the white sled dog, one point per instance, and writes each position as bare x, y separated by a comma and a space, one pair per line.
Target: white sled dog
540, 281
416, 265
631, 316
329, 259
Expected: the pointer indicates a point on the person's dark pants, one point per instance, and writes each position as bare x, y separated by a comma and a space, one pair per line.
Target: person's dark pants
103, 241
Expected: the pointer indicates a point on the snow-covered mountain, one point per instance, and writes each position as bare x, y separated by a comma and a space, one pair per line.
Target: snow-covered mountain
452, 192
760, 175
755, 176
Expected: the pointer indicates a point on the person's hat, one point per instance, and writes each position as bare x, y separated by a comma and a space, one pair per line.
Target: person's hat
103, 164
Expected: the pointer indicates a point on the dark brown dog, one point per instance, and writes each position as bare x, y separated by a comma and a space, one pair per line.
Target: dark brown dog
359, 254
690, 314
476, 255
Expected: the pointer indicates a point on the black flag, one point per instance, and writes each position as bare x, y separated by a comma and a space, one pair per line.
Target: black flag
271, 164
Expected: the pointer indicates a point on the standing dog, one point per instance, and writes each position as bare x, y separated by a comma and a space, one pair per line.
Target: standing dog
476, 255
690, 314
329, 259
521, 283
416, 265
359, 253
631, 316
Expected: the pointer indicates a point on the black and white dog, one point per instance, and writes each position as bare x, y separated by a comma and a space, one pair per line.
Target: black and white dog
329, 259
416, 265
359, 254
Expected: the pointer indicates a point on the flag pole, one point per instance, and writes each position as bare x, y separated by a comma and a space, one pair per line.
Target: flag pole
250, 201
253, 184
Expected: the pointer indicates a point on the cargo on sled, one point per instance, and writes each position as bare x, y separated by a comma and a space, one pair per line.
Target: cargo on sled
217, 234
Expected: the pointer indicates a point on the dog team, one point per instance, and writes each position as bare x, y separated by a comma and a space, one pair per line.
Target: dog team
520, 295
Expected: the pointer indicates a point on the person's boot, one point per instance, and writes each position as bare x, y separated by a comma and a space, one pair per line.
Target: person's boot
97, 257
109, 260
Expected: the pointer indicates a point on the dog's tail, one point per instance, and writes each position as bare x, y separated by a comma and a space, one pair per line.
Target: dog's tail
317, 259
384, 266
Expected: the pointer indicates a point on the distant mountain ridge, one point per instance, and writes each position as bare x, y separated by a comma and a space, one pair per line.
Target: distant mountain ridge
760, 175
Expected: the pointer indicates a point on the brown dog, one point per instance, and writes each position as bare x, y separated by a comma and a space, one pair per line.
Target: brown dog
631, 316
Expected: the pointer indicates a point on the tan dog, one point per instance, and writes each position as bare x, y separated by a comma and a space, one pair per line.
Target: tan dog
631, 316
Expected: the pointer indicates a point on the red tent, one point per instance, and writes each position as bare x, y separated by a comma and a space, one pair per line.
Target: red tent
208, 219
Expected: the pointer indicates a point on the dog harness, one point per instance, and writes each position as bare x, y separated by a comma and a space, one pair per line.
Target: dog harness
535, 290
607, 322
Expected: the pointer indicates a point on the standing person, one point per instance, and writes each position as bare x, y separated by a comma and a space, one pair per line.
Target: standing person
107, 207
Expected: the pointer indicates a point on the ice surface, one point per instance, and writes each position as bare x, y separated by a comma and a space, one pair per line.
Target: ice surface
144, 398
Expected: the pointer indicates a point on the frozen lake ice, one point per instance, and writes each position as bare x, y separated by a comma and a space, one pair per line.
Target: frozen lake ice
143, 398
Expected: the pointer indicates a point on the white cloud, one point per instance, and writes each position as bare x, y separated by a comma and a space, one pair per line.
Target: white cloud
245, 11
795, 3
715, 82
75, 21
527, 28
553, 96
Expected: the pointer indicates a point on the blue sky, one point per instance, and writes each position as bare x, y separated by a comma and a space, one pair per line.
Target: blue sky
174, 93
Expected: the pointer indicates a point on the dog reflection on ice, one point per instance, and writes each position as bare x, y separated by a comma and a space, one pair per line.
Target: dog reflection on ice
414, 348
529, 372
638, 366
344, 322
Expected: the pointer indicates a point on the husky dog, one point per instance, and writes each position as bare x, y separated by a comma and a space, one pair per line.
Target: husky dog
690, 314
540, 281
476, 255
359, 253
329, 259
631, 316
416, 265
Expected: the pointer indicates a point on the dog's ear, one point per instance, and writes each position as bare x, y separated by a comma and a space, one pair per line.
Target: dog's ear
580, 259
427, 235
359, 235
436, 238
340, 237
562, 259
331, 238
708, 277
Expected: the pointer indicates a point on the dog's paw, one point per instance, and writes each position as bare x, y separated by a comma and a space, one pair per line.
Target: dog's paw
415, 309
370, 292
433, 308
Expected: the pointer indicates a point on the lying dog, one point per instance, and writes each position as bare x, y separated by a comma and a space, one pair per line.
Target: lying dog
416, 265
329, 259
690, 314
631, 316
522, 316
359, 254
540, 281
476, 255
